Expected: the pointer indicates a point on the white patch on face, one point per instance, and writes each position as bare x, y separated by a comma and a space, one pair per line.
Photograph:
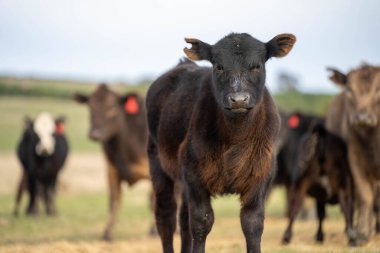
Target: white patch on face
44, 127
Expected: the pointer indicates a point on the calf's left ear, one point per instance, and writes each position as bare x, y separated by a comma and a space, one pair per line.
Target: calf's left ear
27, 122
337, 77
280, 45
60, 119
199, 50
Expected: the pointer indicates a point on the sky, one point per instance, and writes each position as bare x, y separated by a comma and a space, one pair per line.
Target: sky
121, 40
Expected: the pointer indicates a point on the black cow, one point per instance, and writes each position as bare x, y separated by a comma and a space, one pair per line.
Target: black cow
322, 172
214, 129
293, 127
42, 152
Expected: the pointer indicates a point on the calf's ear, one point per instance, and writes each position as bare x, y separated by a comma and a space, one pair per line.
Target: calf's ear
199, 50
280, 45
337, 77
27, 122
80, 98
60, 119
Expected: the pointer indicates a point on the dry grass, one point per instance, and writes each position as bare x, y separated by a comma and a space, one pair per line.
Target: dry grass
82, 204
225, 237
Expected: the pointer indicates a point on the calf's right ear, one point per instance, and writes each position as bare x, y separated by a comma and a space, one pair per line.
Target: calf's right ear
199, 50
27, 122
337, 77
80, 98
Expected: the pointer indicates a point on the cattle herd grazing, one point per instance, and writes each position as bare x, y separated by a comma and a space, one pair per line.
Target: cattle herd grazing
201, 132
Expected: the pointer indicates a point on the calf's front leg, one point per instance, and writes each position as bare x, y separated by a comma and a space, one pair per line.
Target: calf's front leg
377, 208
364, 199
201, 215
252, 223
115, 200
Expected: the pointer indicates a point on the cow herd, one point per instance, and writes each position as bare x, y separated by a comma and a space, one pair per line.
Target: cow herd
208, 131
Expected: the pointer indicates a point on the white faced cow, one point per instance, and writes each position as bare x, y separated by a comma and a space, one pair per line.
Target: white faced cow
42, 152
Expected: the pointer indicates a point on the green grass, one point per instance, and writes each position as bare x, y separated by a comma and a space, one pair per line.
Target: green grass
81, 217
14, 109
10, 86
307, 103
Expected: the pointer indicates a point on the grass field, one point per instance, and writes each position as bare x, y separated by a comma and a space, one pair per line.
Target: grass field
62, 89
13, 110
82, 199
82, 204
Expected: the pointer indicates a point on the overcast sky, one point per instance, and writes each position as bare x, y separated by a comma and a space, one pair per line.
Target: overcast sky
109, 40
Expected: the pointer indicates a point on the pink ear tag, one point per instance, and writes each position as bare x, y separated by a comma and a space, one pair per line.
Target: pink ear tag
59, 128
131, 106
294, 121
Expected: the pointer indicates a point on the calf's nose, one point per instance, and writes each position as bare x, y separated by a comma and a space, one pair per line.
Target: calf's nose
238, 100
367, 119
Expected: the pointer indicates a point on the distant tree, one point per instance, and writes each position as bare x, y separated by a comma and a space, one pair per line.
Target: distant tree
287, 82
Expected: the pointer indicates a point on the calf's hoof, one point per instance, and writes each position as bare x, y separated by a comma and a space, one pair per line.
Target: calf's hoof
32, 213
107, 236
319, 238
51, 213
358, 241
286, 239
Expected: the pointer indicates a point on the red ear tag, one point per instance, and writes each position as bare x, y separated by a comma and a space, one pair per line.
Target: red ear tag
294, 121
59, 128
131, 106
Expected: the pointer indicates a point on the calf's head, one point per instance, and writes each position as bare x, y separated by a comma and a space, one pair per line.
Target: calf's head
107, 111
239, 66
362, 95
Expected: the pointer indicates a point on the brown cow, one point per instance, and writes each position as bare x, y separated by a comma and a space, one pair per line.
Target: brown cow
355, 115
215, 130
119, 124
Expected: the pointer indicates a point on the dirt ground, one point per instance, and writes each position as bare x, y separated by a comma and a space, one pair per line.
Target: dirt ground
85, 173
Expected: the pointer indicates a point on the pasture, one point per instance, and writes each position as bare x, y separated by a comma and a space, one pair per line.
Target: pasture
82, 196
82, 205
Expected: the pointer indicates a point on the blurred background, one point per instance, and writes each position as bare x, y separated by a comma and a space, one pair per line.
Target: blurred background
51, 49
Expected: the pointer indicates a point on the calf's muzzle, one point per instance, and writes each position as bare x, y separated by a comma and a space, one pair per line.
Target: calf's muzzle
239, 101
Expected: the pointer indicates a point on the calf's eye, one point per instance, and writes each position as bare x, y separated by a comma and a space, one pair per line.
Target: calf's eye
219, 68
255, 67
